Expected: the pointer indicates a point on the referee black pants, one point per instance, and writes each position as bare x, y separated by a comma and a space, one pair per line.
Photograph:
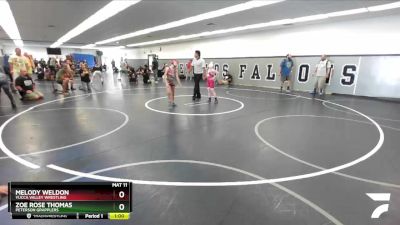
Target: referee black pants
196, 91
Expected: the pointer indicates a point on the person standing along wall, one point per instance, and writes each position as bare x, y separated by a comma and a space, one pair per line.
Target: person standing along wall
199, 71
321, 73
189, 69
285, 72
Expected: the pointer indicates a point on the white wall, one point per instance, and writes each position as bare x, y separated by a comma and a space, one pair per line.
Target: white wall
40, 52
379, 35
116, 53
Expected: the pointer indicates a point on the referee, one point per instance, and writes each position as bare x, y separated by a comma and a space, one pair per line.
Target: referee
199, 71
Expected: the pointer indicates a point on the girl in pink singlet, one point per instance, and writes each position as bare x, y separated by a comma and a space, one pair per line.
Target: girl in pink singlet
211, 76
170, 73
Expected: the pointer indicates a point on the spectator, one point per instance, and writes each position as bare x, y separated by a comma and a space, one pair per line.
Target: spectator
42, 63
36, 63
189, 69
146, 74
5, 85
154, 67
132, 75
31, 65
226, 79
97, 72
6, 65
285, 71
321, 73
65, 77
85, 78
52, 66
47, 74
17, 64
26, 87
122, 66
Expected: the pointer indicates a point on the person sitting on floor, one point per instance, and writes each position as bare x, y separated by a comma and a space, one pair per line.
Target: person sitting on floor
146, 74
132, 75
26, 87
226, 80
65, 77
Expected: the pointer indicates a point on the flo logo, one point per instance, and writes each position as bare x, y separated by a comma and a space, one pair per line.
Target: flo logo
379, 197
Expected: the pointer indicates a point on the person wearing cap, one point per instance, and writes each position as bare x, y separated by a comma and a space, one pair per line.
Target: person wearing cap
170, 73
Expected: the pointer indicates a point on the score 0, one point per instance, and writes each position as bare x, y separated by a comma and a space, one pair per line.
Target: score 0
121, 191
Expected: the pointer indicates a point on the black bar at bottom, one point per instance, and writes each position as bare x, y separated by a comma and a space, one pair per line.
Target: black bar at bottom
61, 216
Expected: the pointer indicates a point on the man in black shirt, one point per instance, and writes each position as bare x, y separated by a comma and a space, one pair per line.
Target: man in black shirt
154, 67
26, 87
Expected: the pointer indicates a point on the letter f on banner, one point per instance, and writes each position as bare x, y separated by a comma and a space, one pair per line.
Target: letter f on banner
379, 197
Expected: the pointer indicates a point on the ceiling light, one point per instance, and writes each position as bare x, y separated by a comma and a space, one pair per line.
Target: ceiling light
7, 21
270, 24
384, 7
347, 12
90, 46
309, 18
109, 10
209, 15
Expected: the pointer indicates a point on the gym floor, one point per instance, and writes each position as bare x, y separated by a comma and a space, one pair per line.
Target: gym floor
213, 163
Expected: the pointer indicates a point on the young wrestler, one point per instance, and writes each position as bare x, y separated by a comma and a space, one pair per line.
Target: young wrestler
211, 76
170, 73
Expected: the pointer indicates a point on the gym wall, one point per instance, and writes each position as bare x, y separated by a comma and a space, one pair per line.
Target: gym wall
364, 52
372, 76
40, 52
136, 63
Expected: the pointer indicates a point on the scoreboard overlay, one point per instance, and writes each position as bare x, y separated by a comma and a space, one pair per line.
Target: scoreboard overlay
75, 200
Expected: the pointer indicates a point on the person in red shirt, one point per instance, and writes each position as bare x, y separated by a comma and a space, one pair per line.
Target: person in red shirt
188, 69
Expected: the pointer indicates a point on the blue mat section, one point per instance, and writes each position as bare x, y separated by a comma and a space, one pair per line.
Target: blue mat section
81, 57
